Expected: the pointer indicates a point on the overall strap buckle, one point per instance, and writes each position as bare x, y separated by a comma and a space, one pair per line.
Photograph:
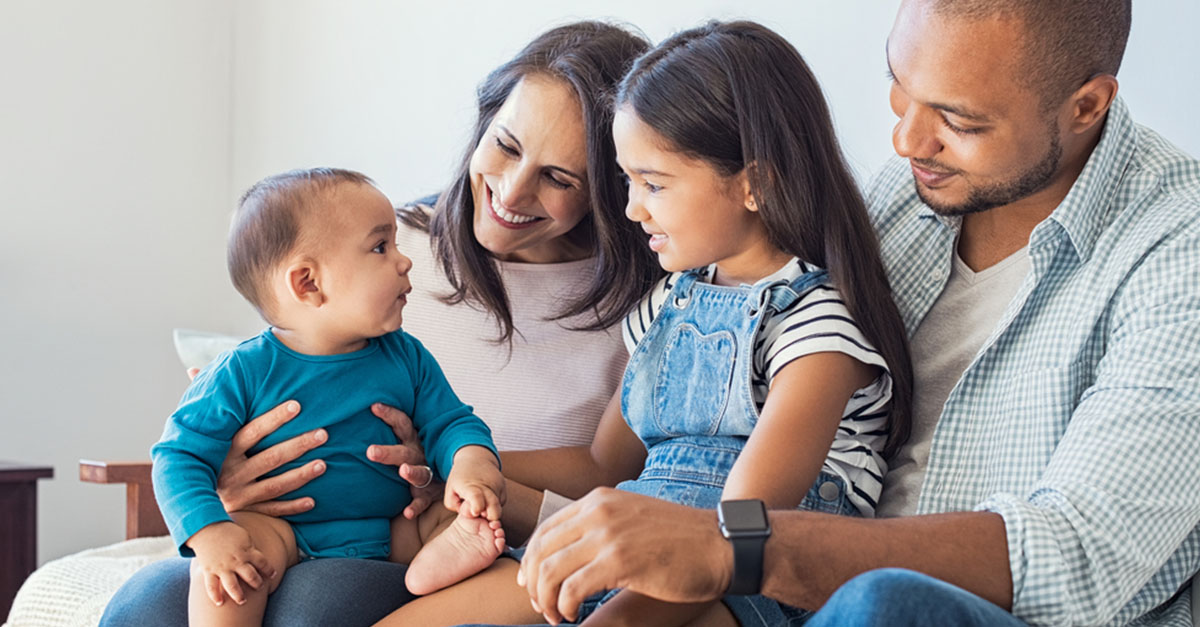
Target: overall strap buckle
681, 292
780, 295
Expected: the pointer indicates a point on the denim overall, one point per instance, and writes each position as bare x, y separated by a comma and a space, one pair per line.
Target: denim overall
687, 394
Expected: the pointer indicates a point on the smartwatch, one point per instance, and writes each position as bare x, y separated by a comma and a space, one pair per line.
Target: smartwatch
744, 523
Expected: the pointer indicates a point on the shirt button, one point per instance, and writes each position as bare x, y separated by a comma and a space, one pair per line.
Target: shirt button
351, 552
829, 491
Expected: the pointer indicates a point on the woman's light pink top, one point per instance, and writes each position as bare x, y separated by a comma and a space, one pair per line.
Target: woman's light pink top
553, 387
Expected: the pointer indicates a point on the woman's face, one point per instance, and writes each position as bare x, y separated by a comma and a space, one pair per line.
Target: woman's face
529, 175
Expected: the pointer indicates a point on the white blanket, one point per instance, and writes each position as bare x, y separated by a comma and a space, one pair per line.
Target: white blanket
72, 591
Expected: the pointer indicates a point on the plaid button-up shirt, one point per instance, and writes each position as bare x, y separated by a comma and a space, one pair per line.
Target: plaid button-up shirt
1078, 420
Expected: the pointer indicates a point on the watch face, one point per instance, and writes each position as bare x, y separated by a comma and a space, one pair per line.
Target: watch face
740, 517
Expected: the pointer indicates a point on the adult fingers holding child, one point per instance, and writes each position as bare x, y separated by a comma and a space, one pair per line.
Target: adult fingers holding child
239, 484
409, 457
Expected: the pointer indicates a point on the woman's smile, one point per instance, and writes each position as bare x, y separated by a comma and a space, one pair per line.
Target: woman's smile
506, 218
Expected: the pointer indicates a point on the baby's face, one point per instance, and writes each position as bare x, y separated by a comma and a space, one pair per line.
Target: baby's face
361, 274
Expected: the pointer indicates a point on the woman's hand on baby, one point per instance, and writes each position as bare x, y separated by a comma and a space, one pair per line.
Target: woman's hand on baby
475, 483
409, 457
226, 557
239, 486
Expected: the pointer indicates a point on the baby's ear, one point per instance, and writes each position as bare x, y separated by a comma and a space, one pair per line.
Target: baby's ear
303, 283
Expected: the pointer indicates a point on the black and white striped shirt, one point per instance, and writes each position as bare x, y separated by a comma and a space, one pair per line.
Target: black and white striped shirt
816, 323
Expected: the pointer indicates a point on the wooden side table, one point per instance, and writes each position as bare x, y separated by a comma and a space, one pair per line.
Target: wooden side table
18, 526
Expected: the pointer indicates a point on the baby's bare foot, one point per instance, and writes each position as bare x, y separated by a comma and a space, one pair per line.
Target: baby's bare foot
466, 547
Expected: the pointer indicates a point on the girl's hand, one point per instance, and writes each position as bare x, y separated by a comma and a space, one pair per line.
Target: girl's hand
225, 557
238, 485
409, 457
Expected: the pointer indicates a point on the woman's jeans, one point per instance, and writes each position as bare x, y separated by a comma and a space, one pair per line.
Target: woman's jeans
331, 591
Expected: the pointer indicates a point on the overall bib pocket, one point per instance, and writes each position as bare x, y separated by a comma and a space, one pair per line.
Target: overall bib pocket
693, 381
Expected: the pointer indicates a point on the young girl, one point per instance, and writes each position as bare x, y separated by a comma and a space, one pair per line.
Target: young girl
771, 363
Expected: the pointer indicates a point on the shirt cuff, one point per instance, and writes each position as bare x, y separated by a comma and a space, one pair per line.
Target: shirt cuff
193, 521
1009, 508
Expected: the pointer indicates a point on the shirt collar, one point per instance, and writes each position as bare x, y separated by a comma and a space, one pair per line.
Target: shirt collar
1083, 213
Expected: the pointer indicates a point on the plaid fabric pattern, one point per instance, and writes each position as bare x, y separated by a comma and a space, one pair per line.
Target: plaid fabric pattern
1079, 419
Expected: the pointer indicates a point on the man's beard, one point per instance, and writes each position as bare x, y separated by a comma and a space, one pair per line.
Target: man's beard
987, 197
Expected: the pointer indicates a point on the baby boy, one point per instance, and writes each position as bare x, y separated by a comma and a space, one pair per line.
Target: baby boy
314, 251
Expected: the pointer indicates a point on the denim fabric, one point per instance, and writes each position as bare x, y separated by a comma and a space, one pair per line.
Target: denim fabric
895, 597
690, 375
686, 393
332, 591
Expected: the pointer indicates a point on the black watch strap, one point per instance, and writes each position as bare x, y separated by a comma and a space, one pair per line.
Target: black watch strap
747, 565
744, 523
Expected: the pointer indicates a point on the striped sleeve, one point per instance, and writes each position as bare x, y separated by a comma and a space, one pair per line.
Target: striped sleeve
637, 322
817, 323
820, 323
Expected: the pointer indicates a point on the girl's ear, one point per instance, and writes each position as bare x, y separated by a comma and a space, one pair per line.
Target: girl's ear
746, 189
303, 283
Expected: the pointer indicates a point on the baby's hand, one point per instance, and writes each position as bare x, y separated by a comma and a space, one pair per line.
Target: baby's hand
225, 553
475, 486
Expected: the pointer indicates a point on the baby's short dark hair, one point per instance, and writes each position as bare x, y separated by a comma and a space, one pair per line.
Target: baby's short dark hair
266, 226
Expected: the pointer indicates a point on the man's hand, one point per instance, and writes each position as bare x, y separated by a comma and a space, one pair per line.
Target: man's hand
225, 554
238, 484
409, 457
476, 482
611, 539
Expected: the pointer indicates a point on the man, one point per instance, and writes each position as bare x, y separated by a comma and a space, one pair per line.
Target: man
1045, 252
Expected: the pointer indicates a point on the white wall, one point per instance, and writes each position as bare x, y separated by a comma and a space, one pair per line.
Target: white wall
388, 87
128, 128
114, 180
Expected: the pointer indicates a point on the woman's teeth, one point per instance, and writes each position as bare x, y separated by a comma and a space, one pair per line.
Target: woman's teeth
509, 217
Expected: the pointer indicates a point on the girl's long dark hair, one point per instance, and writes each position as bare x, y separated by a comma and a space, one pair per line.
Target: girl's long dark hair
737, 95
590, 57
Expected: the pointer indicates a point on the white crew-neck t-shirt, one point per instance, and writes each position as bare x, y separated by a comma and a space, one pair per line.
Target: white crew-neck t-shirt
945, 343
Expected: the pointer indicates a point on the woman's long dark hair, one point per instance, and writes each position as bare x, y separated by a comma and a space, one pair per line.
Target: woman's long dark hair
590, 57
737, 95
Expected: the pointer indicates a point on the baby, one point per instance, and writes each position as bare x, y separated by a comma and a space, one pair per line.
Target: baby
314, 251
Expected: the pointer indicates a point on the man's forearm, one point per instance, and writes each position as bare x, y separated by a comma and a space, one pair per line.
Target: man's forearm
612, 539
810, 555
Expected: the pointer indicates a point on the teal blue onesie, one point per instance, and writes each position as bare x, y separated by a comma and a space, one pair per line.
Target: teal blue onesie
355, 497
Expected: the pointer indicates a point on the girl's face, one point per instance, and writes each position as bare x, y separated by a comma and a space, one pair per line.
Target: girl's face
694, 215
529, 175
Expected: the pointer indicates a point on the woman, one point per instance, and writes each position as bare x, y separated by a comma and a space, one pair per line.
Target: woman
529, 261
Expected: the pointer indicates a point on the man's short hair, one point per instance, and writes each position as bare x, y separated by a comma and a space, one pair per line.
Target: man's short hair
266, 226
1067, 42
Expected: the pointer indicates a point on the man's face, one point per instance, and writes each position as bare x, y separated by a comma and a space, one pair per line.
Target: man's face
975, 136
